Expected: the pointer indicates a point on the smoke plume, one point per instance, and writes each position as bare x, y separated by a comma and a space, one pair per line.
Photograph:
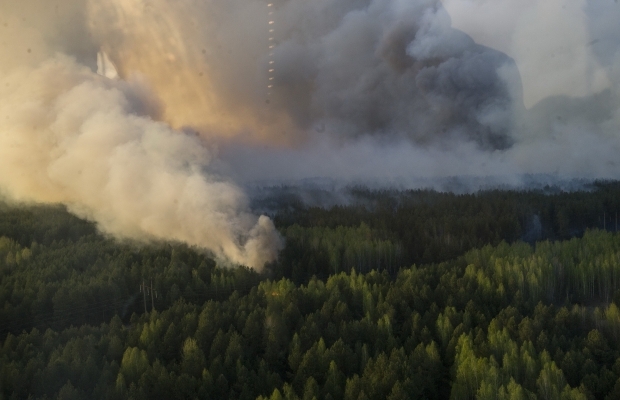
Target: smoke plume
396, 89
71, 136
192, 95
350, 68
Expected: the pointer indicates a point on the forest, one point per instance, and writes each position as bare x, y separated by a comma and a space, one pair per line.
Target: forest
394, 295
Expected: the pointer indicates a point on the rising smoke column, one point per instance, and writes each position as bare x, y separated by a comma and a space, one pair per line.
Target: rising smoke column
71, 136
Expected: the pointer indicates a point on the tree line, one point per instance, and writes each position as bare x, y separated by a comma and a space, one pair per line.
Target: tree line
425, 226
341, 315
467, 328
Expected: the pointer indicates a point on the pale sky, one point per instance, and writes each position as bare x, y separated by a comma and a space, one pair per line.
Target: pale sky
550, 40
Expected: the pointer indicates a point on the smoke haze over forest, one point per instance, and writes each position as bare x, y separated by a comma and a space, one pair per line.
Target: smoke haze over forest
156, 144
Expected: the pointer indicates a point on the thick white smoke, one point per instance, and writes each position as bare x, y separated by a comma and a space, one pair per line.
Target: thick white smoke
71, 136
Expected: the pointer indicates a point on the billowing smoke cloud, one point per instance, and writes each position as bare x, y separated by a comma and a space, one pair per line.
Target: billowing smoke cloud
71, 136
450, 106
351, 68
210, 91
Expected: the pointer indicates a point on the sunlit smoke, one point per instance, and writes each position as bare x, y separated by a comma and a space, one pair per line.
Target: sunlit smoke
356, 68
105, 67
205, 71
289, 89
90, 141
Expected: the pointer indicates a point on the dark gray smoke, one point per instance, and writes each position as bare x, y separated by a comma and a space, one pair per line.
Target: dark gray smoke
391, 68
394, 90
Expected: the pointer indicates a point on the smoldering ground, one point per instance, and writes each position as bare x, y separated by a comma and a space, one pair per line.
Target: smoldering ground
212, 92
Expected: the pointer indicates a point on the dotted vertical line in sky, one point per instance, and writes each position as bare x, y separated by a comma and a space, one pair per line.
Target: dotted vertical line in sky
271, 68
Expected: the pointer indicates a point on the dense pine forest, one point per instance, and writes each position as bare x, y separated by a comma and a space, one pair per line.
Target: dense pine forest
393, 295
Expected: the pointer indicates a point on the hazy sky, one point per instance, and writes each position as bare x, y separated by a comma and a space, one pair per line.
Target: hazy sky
553, 42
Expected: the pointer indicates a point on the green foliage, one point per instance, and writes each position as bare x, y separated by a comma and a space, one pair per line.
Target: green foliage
481, 314
89, 280
392, 229
340, 249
